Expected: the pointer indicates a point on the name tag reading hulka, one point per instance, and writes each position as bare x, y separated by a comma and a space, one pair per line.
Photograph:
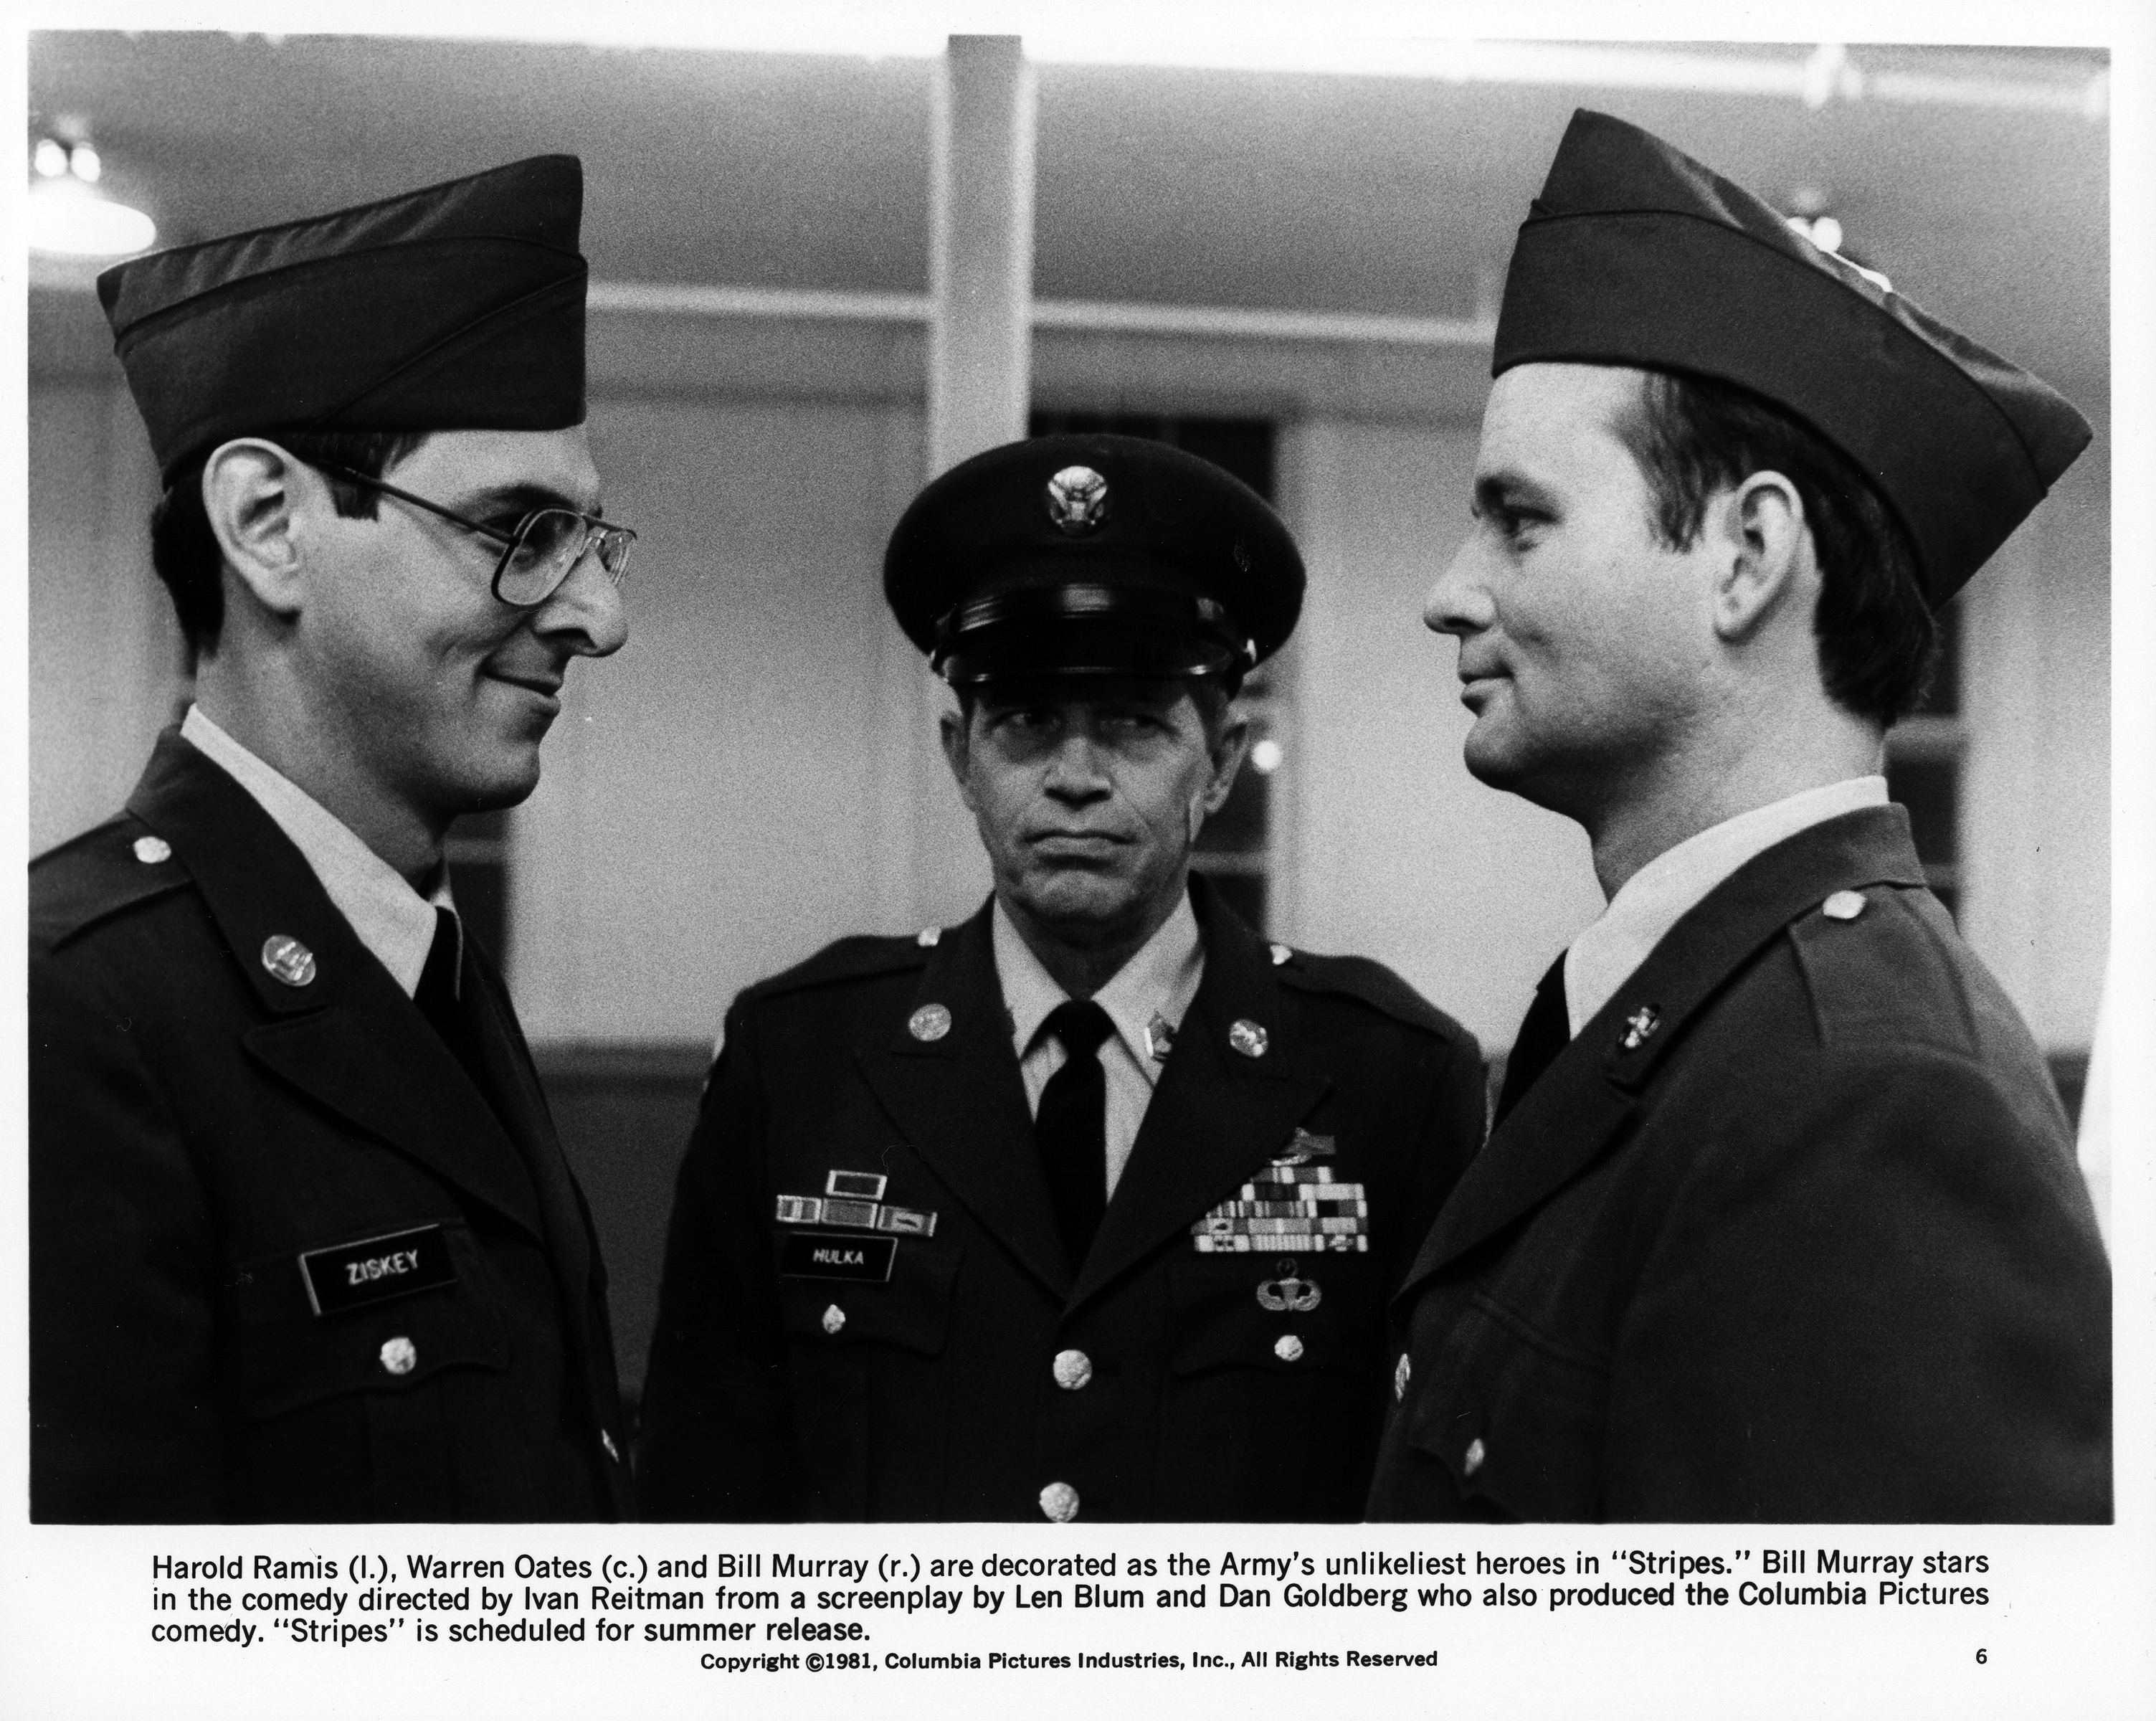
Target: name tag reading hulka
820, 1254
375, 1269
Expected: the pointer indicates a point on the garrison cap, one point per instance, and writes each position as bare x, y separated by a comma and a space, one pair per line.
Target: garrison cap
458, 307
1637, 254
1091, 554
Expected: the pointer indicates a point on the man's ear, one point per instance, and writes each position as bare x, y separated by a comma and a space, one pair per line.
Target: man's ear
950, 729
1227, 754
1761, 527
254, 494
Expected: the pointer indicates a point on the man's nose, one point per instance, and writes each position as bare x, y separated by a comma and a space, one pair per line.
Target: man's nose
1075, 772
1459, 602
587, 609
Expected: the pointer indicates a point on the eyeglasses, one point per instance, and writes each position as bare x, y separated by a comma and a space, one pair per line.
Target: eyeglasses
538, 554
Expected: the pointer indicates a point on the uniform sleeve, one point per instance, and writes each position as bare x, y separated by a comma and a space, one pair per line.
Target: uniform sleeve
1881, 1301
123, 1276
716, 1440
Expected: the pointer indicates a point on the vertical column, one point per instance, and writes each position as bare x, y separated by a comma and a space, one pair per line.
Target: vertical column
980, 268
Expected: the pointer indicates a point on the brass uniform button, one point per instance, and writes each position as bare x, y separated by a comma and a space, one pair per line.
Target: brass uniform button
399, 1356
1074, 1369
1288, 1348
153, 850
1476, 1452
1059, 1502
1843, 905
1248, 1038
1400, 1373
932, 1021
834, 1318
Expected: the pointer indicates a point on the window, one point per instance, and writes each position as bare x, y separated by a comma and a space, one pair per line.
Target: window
1234, 850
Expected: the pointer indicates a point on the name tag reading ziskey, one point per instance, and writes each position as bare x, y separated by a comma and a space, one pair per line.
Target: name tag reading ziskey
822, 1255
375, 1269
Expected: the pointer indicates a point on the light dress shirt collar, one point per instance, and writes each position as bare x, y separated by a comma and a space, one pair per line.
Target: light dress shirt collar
1677, 880
1160, 980
393, 920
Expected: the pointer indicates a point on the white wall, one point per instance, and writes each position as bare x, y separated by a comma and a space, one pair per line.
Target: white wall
1400, 854
753, 775
105, 653
2036, 784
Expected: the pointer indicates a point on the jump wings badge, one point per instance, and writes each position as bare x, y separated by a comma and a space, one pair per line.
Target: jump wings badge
1292, 1207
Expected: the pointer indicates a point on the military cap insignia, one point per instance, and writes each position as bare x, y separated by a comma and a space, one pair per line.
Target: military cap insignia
1077, 500
1288, 1209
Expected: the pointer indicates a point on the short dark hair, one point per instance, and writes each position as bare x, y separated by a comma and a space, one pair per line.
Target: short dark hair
1694, 436
1213, 695
184, 551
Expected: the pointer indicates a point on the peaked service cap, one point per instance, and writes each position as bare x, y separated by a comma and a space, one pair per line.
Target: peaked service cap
1091, 554
459, 306
1637, 254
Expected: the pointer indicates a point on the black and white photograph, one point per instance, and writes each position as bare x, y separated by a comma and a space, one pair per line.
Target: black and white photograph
1115, 856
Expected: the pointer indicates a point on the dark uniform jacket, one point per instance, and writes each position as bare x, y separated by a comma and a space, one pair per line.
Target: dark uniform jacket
934, 1395
1792, 1231
196, 1125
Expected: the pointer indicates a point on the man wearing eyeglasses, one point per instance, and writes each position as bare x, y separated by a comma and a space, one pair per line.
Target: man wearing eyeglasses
304, 1245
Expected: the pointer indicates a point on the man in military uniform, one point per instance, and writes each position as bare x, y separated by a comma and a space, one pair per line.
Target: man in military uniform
1086, 1208
1779, 1218
303, 1243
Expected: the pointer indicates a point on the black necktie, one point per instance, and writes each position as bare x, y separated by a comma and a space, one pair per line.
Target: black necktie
1545, 1033
438, 999
1071, 1125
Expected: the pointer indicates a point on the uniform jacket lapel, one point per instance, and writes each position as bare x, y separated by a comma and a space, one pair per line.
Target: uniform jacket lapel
1585, 1101
1216, 1114
349, 1038
960, 1102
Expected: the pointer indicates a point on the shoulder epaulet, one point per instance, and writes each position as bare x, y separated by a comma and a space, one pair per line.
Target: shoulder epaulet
1367, 982
103, 872
856, 959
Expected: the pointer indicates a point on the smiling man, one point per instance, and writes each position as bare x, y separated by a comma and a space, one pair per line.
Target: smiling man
1086, 1208
304, 1245
1779, 1218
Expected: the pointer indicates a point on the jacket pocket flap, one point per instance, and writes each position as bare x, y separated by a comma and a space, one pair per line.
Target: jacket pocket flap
289, 1356
911, 1309
1246, 1312
1517, 1419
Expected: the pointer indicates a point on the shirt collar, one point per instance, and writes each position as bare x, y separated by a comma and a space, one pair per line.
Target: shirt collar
1161, 978
1675, 881
393, 920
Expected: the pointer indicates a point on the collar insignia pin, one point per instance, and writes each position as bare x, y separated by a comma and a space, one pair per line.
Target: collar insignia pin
1639, 1028
288, 960
1160, 1037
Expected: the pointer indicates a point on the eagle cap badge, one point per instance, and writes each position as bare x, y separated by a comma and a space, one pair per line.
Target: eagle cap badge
1077, 500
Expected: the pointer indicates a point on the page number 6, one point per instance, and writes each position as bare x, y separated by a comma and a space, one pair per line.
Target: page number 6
1982, 1656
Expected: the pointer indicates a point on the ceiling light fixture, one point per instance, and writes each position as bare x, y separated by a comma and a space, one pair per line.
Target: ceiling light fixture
69, 218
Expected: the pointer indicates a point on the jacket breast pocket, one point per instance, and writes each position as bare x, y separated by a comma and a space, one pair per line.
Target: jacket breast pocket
289, 1356
1516, 1419
1271, 1410
871, 1389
